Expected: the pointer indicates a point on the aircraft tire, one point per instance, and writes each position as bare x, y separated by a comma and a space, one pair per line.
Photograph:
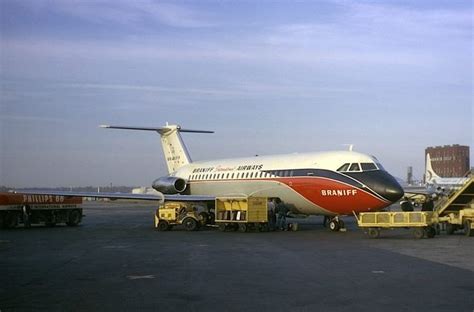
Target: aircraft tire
374, 232
467, 228
419, 232
341, 224
334, 225
163, 225
190, 224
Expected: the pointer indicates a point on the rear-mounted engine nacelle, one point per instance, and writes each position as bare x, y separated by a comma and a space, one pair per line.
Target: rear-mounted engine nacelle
169, 185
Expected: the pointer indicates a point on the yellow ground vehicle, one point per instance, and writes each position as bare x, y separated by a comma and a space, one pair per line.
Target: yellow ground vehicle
456, 220
242, 213
454, 212
420, 221
191, 215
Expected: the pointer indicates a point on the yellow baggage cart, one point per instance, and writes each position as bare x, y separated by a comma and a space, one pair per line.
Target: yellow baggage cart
241, 213
421, 222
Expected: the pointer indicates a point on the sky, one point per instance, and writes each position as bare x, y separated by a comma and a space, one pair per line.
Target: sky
269, 77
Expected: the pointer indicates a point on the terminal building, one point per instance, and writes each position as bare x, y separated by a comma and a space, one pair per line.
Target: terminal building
449, 161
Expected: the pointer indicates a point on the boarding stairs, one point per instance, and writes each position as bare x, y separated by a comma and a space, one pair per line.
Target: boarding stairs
457, 200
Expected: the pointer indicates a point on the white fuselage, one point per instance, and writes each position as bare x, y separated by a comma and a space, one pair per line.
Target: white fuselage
308, 183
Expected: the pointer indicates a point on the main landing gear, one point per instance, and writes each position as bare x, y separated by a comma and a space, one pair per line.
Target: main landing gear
335, 224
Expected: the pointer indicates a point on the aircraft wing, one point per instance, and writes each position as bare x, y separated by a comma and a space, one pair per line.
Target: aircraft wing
157, 197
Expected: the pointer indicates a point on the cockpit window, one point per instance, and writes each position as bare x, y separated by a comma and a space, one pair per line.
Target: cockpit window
368, 166
344, 167
354, 167
379, 165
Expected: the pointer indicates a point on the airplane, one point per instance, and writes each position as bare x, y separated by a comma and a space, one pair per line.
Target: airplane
434, 180
331, 184
434, 185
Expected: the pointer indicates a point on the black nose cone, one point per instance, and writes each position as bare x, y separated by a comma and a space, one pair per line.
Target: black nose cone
382, 183
393, 191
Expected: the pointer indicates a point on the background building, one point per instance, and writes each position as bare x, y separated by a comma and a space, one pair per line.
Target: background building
449, 160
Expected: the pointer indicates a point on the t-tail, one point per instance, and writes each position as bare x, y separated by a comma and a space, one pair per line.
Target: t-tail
176, 153
430, 175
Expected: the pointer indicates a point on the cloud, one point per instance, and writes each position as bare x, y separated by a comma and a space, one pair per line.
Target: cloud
124, 12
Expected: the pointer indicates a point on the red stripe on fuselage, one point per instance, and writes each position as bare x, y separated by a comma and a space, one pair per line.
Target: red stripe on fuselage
334, 196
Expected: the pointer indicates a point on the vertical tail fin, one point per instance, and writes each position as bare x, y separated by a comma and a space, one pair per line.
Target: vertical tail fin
176, 154
430, 174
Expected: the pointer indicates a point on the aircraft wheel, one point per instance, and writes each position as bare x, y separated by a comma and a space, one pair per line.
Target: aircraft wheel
467, 228
334, 225
419, 232
341, 224
374, 232
450, 228
163, 225
430, 231
243, 227
190, 224
74, 218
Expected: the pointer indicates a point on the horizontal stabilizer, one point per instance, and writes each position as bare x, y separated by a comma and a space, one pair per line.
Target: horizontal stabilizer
157, 129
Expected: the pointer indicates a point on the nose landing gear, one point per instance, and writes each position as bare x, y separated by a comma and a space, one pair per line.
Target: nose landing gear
335, 224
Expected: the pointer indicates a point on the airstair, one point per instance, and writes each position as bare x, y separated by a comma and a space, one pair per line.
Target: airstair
457, 200
452, 212
457, 209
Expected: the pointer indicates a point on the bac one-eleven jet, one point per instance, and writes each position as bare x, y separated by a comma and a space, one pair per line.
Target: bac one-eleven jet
325, 183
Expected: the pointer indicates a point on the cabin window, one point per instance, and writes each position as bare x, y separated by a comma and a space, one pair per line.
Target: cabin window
291, 173
227, 176
232, 176
354, 167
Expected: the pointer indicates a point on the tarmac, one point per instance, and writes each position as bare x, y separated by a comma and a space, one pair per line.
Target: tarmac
116, 261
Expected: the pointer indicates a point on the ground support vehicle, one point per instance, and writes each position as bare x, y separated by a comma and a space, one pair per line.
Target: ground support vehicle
242, 213
460, 220
49, 210
456, 211
192, 215
419, 221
